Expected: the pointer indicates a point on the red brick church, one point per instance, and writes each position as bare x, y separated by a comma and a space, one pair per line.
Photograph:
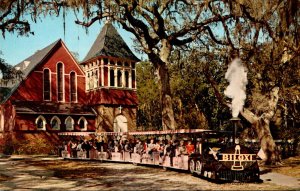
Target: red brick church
58, 96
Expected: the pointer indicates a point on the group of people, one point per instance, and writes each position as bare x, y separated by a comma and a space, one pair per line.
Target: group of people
169, 148
90, 147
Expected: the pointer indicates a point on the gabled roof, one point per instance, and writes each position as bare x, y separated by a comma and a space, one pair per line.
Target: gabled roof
110, 43
30, 63
27, 65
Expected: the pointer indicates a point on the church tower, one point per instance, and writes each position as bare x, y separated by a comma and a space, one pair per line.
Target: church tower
109, 68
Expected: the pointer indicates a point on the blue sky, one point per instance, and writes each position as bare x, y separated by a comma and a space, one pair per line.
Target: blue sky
16, 48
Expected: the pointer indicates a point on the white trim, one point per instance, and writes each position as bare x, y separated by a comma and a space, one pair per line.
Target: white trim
76, 99
44, 84
63, 81
44, 122
102, 71
58, 121
72, 121
85, 123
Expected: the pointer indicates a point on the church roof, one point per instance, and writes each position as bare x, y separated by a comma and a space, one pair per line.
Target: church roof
110, 43
27, 65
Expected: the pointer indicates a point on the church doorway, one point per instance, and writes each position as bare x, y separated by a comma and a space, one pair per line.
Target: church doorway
120, 124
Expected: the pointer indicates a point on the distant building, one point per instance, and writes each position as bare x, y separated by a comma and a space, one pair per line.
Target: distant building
57, 96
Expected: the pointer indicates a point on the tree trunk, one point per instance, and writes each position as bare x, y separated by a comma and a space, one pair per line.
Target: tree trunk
168, 120
261, 126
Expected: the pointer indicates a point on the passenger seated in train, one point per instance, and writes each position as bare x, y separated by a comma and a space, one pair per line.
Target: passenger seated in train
190, 148
169, 151
198, 147
182, 149
118, 147
159, 148
86, 147
93, 149
151, 148
139, 147
110, 148
128, 148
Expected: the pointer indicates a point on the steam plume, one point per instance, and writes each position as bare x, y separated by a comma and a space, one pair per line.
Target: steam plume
236, 75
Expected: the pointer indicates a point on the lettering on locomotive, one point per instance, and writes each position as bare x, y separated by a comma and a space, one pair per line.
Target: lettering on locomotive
237, 158
240, 157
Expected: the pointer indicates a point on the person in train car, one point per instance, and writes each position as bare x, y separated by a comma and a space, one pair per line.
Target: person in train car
159, 148
86, 147
110, 148
93, 149
128, 148
170, 151
69, 148
145, 145
74, 149
151, 147
79, 145
99, 143
139, 147
117, 147
190, 148
132, 143
198, 147
121, 145
182, 148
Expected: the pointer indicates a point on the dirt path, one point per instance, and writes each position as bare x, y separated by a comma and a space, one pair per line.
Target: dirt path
43, 173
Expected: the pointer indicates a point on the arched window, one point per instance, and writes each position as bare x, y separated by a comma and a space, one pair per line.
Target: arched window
40, 123
82, 122
60, 82
133, 65
55, 123
69, 122
119, 78
112, 77
126, 79
73, 87
47, 85
133, 78
119, 63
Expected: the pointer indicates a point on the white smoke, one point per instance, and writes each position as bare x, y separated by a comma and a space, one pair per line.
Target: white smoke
236, 75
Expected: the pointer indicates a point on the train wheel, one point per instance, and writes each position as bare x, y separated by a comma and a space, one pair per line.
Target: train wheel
198, 167
192, 166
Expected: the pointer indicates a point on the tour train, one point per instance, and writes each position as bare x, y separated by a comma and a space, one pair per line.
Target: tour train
216, 156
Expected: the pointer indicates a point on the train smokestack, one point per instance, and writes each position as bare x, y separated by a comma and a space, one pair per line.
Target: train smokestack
235, 121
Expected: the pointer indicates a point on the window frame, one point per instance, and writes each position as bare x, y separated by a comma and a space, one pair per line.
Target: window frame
41, 117
58, 121
75, 85
63, 82
85, 123
50, 95
73, 123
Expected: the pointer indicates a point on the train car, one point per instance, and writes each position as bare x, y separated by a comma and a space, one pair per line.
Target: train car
210, 154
